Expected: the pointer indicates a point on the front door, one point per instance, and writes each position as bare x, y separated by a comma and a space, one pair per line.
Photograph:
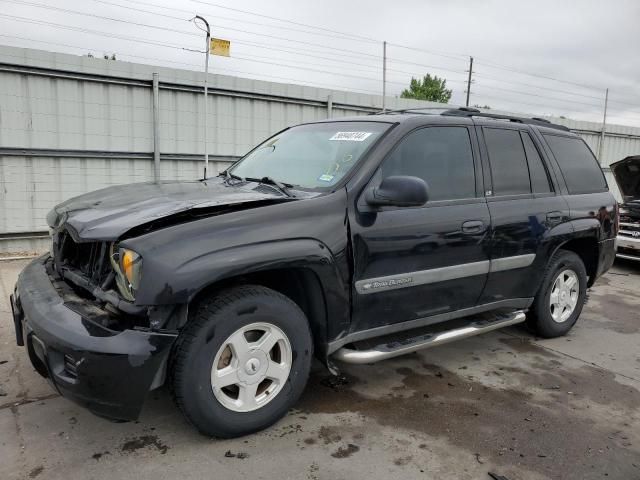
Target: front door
412, 263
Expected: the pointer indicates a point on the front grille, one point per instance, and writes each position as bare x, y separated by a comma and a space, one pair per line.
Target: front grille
629, 229
89, 259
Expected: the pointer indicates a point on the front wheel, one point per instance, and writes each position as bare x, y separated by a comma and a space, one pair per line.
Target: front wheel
559, 301
242, 361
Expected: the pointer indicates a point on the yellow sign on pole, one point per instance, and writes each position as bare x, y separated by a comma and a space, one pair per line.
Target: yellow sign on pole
220, 47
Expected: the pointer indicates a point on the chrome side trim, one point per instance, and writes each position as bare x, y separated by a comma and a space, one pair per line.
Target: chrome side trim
628, 257
515, 303
422, 277
442, 274
397, 348
510, 263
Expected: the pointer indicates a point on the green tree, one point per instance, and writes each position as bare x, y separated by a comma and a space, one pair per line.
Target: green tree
433, 89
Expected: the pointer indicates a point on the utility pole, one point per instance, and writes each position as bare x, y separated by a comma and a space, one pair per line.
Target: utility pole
384, 74
206, 98
469, 80
156, 128
604, 125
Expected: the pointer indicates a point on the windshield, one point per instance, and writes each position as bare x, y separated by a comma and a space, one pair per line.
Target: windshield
316, 155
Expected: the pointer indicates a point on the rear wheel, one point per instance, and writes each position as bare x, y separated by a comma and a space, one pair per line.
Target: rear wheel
559, 301
242, 361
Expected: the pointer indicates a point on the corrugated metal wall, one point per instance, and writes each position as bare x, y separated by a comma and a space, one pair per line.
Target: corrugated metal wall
72, 124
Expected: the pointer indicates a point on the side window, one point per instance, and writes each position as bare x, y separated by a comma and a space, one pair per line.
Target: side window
441, 156
579, 167
508, 162
537, 171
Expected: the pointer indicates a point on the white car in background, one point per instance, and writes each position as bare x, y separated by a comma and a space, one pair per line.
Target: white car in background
627, 175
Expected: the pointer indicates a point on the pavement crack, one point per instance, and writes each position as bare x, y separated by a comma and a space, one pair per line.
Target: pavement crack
16, 418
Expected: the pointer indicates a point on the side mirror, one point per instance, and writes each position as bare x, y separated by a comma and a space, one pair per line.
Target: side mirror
399, 191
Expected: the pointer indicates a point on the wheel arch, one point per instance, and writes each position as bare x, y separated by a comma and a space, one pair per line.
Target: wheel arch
587, 248
299, 284
305, 271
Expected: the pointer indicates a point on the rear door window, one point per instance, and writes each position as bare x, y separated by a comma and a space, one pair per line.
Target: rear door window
509, 170
537, 171
580, 168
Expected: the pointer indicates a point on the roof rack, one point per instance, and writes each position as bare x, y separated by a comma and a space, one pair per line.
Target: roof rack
418, 110
474, 112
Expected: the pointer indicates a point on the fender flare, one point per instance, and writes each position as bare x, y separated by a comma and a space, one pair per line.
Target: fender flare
182, 282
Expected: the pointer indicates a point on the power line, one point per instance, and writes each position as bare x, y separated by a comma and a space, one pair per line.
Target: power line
455, 56
520, 92
450, 55
135, 39
547, 106
294, 52
353, 35
335, 32
509, 69
139, 24
482, 75
96, 32
241, 42
566, 92
157, 27
391, 60
191, 12
195, 65
89, 31
162, 28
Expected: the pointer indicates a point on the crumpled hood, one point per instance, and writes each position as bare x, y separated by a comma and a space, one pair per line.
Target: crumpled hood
108, 213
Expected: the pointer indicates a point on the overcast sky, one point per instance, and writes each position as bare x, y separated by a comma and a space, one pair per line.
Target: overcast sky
589, 45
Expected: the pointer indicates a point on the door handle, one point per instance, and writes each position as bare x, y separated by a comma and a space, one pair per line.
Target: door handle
473, 226
554, 217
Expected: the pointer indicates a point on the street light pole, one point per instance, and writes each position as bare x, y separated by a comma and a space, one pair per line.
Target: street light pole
206, 98
604, 127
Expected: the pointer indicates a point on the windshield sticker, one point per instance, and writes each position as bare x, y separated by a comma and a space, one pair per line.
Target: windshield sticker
351, 136
325, 178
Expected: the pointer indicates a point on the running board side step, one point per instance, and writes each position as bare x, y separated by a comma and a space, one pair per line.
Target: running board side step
427, 340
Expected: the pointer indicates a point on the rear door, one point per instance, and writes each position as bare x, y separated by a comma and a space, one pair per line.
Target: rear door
524, 205
412, 263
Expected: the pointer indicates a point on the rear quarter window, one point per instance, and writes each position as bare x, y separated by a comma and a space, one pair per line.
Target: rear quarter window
579, 167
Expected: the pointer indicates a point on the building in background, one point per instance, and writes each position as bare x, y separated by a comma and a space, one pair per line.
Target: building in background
72, 124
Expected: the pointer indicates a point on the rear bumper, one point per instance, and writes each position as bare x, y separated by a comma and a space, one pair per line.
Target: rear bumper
606, 257
109, 372
628, 247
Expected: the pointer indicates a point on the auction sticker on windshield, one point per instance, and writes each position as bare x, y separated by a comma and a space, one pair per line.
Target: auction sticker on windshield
351, 136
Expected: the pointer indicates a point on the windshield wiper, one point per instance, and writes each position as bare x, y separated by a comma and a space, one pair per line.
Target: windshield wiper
227, 175
280, 186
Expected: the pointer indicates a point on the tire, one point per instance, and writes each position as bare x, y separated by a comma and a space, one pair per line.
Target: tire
214, 335
563, 267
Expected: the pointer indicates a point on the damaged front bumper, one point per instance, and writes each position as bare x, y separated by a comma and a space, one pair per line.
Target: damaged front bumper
107, 371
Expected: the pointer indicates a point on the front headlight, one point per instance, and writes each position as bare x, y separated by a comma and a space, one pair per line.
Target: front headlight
130, 272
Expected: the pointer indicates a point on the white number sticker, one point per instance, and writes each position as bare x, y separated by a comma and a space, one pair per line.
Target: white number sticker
351, 136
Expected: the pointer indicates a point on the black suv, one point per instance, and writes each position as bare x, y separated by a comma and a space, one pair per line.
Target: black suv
353, 240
